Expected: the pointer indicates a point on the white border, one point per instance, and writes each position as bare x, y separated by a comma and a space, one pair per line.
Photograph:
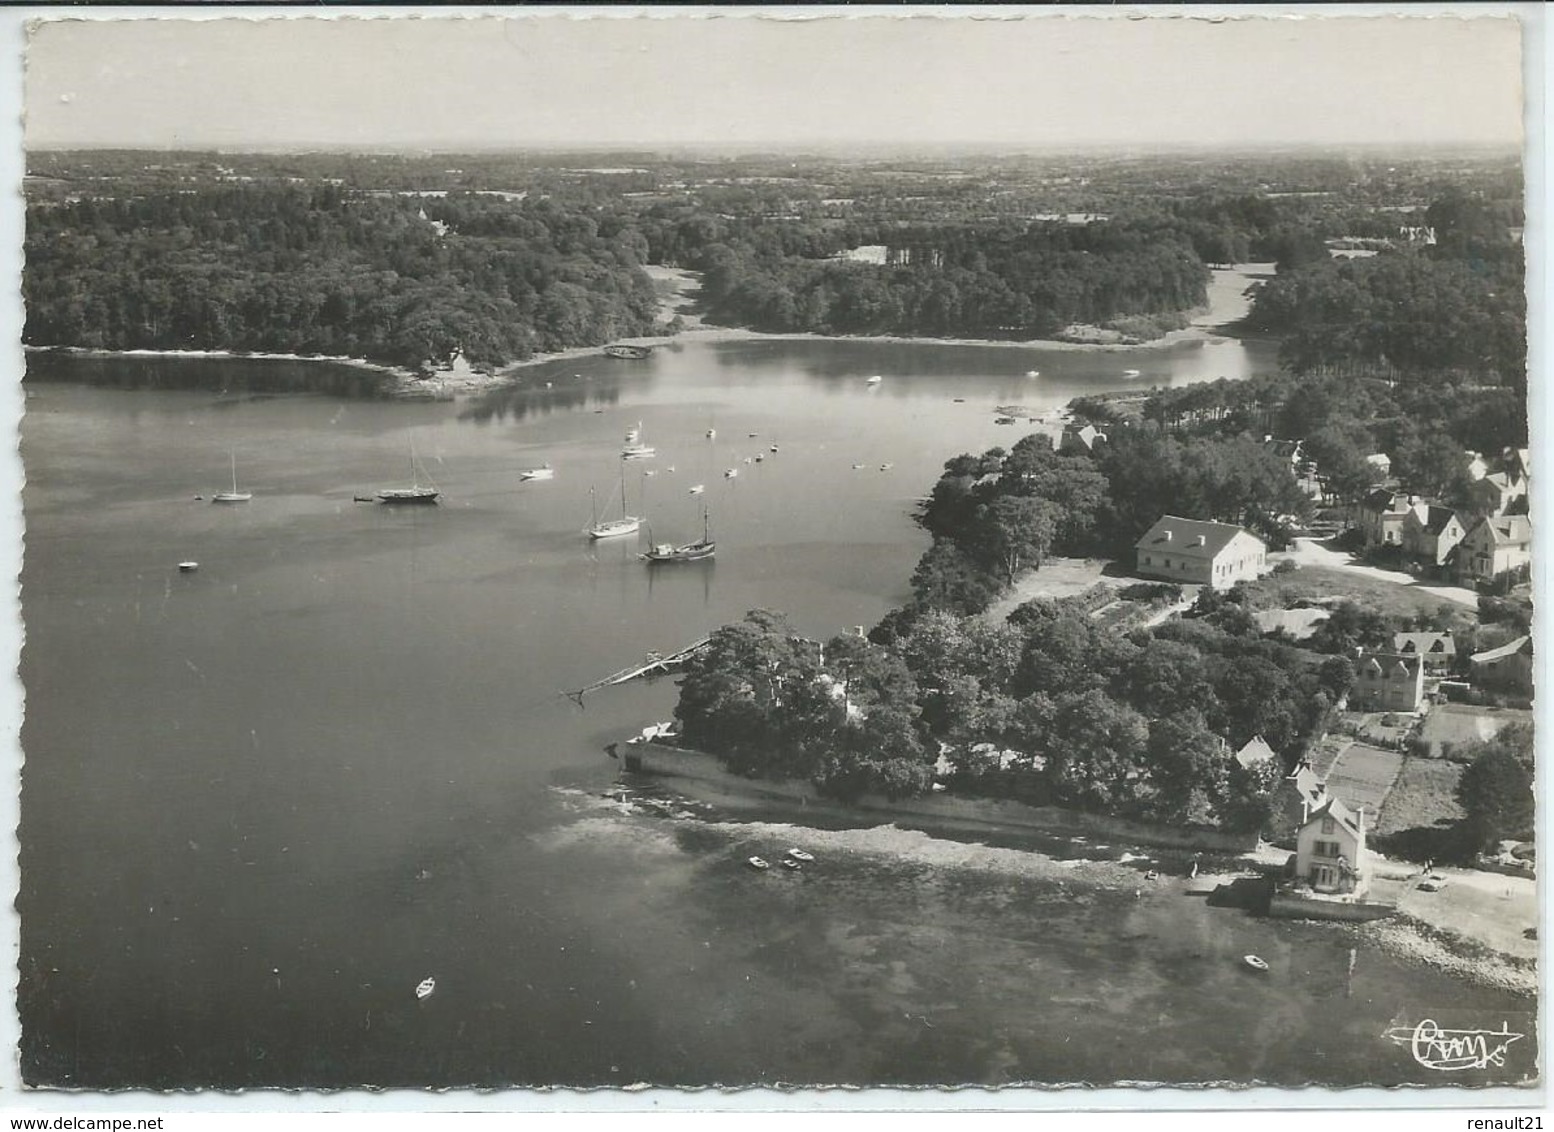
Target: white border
1270, 1103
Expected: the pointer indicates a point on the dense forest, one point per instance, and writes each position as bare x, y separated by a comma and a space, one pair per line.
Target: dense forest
319, 271
1455, 308
989, 282
1050, 707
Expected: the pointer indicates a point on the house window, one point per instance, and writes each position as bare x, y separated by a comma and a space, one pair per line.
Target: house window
1329, 825
1325, 848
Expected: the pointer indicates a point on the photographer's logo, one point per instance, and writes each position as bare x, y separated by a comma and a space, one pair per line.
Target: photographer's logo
1452, 1050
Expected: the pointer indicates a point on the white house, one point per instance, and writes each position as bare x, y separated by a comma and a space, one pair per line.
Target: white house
1330, 849
1192, 550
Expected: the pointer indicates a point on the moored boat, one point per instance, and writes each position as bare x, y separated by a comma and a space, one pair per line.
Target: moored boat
630, 353
635, 449
543, 472
613, 528
1255, 962
425, 987
233, 496
758, 862
703, 548
415, 493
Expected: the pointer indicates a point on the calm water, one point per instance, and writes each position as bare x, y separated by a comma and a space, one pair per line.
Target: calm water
264, 800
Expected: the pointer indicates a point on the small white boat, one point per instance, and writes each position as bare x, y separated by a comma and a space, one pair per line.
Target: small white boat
1130, 373
425, 987
731, 473
759, 863
800, 855
698, 489
188, 567
1254, 962
543, 472
774, 448
790, 863
760, 456
1033, 373
858, 467
875, 380
712, 434
886, 467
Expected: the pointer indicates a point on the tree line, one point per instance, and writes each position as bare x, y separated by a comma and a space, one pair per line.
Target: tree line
316, 270
1000, 281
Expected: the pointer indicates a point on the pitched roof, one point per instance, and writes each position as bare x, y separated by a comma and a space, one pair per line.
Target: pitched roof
1434, 519
1510, 648
1388, 662
1182, 535
1425, 644
1510, 528
1256, 751
1341, 813
1307, 784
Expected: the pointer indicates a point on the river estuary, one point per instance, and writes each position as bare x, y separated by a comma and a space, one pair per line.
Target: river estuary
263, 800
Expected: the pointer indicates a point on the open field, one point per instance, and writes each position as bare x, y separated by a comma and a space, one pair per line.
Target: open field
1424, 796
1363, 776
1465, 723
1058, 577
1321, 583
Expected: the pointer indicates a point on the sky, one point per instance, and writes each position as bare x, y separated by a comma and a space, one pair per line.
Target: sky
688, 77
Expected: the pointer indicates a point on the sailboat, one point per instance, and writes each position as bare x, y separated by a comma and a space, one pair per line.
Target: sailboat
233, 496
611, 528
685, 552
415, 493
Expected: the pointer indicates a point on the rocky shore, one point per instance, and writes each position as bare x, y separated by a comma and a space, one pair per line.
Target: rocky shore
1407, 938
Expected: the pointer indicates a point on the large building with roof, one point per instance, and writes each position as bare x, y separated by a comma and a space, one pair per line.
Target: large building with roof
1200, 552
1388, 682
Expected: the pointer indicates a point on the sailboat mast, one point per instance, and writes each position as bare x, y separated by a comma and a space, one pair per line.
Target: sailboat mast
233, 454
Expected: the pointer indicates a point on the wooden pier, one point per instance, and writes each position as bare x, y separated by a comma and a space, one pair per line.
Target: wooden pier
652, 665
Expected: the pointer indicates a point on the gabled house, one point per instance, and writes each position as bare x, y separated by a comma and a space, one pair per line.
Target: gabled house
1256, 752
1388, 682
1478, 467
1193, 550
1380, 516
1430, 533
1437, 650
1381, 465
1518, 463
1494, 547
1496, 492
1292, 451
1330, 849
1081, 440
1505, 669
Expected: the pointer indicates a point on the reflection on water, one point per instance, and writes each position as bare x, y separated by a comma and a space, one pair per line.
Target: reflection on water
263, 801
